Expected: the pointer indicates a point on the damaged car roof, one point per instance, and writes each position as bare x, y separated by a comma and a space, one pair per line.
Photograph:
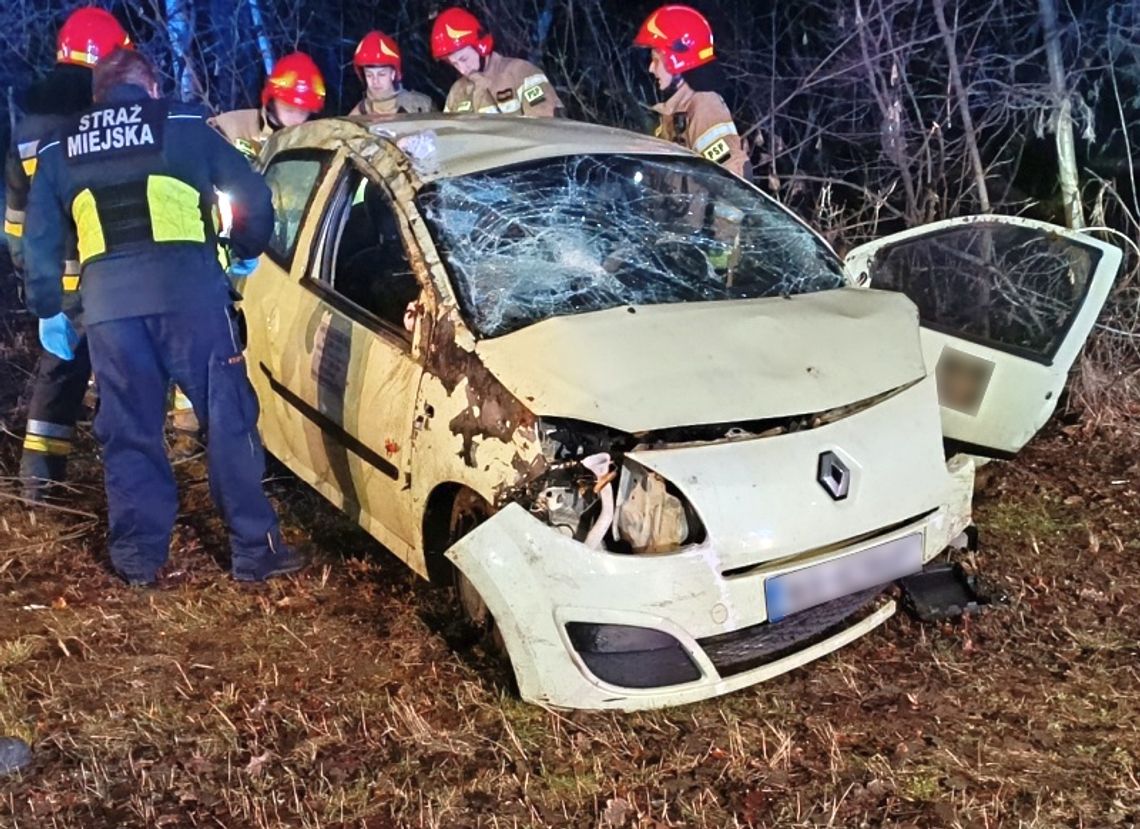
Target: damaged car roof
461, 144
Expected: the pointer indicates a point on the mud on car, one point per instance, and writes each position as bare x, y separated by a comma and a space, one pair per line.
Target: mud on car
664, 442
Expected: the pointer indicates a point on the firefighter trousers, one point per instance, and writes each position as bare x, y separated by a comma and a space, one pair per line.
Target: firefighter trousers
56, 403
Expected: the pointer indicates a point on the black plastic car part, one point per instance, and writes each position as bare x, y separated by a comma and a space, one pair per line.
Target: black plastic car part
944, 591
632, 657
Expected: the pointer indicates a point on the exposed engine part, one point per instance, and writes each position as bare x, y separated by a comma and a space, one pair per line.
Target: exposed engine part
565, 508
601, 466
566, 439
649, 518
579, 493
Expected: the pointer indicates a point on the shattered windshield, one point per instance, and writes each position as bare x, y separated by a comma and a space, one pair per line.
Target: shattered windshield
576, 234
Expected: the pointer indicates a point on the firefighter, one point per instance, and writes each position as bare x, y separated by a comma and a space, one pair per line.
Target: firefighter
59, 385
489, 82
682, 58
380, 69
293, 93
137, 175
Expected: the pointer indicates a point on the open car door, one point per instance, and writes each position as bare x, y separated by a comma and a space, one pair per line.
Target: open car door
1005, 305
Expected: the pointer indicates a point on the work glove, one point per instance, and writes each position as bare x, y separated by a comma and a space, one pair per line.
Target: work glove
58, 336
242, 267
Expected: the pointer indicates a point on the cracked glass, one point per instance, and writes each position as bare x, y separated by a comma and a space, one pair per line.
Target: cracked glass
576, 234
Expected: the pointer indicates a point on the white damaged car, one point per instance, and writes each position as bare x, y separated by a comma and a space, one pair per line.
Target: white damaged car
664, 442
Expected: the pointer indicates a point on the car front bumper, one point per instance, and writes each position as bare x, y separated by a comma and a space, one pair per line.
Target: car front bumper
540, 586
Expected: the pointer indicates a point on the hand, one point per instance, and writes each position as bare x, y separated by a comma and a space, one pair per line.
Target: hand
58, 336
242, 267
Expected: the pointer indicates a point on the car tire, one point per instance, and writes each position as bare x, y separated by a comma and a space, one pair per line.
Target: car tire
468, 511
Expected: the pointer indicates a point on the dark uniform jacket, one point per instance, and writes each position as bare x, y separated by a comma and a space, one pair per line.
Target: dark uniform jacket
49, 104
138, 176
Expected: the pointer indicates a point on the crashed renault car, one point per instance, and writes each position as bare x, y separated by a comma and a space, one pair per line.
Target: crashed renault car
661, 439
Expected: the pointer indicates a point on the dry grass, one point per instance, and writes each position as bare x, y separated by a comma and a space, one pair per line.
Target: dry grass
335, 700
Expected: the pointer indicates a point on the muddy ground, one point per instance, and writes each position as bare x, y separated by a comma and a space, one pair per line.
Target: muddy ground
344, 698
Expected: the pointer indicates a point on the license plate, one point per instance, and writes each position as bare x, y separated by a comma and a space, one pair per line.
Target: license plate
798, 590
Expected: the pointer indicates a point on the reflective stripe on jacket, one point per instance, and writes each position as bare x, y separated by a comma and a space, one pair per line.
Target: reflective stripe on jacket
701, 121
136, 178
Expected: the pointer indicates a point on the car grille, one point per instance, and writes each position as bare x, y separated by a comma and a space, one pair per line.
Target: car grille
750, 647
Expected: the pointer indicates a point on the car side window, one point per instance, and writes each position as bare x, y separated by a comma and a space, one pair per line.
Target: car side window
365, 261
1012, 288
292, 179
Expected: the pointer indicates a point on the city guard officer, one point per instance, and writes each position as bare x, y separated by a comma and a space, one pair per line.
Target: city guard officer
138, 176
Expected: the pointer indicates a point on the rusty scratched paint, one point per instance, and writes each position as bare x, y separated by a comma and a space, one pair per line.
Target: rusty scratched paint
492, 412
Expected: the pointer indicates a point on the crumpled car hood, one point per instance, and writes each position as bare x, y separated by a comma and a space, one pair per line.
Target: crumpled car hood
655, 367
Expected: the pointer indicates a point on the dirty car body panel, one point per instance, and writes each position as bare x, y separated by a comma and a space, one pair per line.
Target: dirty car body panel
703, 446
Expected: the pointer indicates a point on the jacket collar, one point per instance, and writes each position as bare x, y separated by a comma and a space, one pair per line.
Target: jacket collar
123, 92
677, 101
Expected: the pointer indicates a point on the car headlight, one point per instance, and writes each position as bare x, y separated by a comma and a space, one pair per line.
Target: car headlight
594, 494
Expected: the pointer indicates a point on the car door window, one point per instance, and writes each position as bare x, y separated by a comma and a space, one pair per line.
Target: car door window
364, 259
292, 180
1004, 286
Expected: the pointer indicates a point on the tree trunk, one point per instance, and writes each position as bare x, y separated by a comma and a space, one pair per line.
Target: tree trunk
963, 106
180, 33
1063, 119
263, 44
542, 32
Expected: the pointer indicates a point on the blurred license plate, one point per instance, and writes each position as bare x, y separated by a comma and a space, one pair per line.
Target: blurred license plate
798, 590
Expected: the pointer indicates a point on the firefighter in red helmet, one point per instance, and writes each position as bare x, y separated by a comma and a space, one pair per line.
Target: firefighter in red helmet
87, 36
293, 92
682, 58
488, 82
380, 69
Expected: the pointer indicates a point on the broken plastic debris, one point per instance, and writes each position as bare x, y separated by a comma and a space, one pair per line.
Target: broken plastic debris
421, 150
599, 466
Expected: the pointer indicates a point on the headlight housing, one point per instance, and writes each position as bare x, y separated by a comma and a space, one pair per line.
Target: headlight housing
593, 493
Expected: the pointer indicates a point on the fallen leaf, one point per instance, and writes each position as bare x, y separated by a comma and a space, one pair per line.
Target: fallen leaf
255, 765
618, 810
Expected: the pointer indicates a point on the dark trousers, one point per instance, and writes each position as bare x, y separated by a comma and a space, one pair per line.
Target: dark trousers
55, 405
135, 359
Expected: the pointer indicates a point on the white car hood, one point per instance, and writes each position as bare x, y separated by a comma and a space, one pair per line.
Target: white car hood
661, 366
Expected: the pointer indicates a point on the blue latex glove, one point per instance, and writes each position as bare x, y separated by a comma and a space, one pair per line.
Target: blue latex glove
58, 336
242, 267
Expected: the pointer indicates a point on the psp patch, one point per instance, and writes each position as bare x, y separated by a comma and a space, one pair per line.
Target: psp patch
116, 131
534, 95
464, 106
718, 152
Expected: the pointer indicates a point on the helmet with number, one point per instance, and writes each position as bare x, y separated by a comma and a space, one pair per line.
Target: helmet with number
88, 35
377, 49
682, 36
295, 80
456, 28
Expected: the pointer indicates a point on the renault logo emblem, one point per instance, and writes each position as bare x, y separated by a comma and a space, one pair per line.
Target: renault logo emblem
834, 476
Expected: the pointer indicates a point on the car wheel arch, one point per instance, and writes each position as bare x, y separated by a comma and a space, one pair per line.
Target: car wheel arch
437, 535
